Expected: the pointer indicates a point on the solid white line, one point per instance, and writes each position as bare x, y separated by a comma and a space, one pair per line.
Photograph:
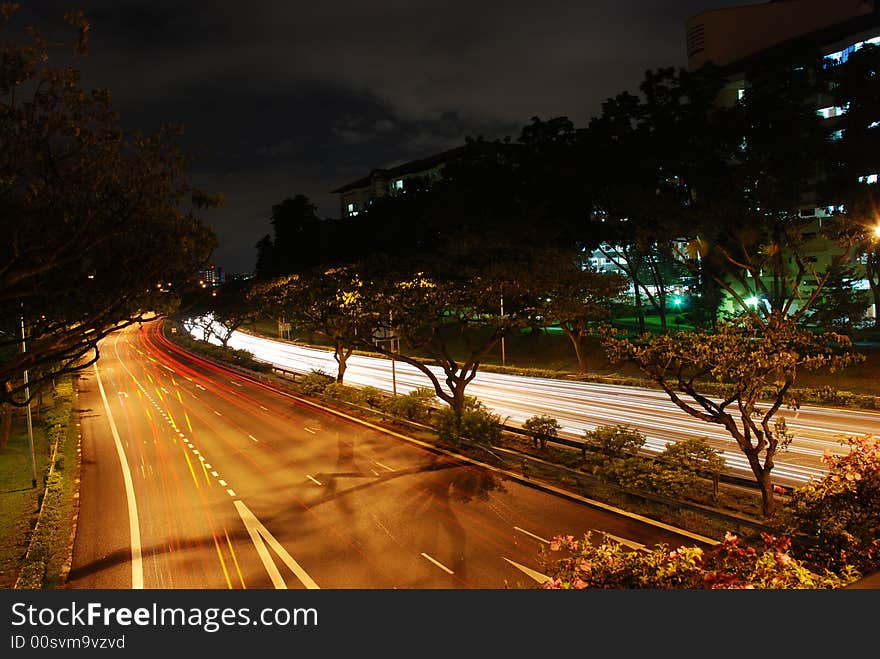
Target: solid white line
537, 537
437, 563
314, 480
137, 566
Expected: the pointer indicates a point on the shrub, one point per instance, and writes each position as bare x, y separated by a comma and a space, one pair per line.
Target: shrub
541, 428
606, 563
315, 383
617, 441
474, 423
835, 518
414, 406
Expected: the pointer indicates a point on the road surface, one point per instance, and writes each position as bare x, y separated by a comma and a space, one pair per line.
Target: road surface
197, 477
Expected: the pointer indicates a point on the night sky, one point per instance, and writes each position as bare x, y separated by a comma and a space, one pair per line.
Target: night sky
285, 98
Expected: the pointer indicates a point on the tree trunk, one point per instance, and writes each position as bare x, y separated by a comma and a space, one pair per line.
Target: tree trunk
576, 342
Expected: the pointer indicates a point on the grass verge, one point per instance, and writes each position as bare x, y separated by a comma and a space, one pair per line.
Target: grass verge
37, 523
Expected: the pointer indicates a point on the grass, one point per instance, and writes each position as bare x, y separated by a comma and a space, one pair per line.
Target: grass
22, 528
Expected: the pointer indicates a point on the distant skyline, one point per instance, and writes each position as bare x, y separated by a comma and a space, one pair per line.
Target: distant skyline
285, 98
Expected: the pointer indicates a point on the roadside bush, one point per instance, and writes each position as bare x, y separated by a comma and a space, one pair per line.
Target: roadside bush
605, 563
475, 423
344, 393
835, 519
542, 427
635, 473
413, 406
315, 383
617, 441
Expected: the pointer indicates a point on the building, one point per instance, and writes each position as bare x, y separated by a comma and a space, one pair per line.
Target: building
356, 196
736, 37
211, 277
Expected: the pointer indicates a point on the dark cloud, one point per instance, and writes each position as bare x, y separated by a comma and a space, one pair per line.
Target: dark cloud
283, 98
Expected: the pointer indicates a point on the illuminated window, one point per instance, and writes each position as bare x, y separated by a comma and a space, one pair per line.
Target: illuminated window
869, 179
352, 209
832, 111
397, 185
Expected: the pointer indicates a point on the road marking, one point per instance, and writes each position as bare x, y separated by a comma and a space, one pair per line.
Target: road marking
230, 492
438, 563
217, 413
222, 482
537, 537
626, 543
258, 534
200, 386
314, 432
537, 576
214, 473
207, 466
237, 384
137, 567
314, 480
252, 437
265, 409
384, 466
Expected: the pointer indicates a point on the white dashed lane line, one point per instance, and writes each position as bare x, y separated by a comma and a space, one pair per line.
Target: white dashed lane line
314, 480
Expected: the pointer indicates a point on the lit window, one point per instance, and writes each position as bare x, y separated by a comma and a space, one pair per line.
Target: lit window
352, 209
869, 179
836, 135
832, 111
397, 185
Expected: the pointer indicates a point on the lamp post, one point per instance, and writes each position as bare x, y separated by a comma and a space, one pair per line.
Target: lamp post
503, 355
27, 396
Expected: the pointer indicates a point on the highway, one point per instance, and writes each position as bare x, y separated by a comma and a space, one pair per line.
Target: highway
581, 406
195, 476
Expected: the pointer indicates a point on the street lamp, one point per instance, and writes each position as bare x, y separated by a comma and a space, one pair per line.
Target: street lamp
27, 396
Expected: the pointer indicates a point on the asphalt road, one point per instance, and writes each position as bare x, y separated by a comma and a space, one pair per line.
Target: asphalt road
581, 406
197, 477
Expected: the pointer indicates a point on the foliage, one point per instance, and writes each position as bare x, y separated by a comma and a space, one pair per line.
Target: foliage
315, 383
473, 423
542, 427
604, 563
694, 455
618, 440
99, 224
837, 517
415, 405
328, 301
751, 360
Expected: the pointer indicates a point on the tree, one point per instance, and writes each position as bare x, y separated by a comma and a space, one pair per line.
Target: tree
437, 318
576, 298
842, 306
329, 302
98, 224
751, 365
221, 310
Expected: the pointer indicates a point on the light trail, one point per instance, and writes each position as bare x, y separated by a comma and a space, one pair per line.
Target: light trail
582, 406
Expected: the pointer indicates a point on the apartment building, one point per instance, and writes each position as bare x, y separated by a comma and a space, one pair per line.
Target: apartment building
736, 37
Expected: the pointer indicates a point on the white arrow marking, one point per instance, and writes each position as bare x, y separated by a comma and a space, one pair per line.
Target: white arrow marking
537, 576
258, 533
